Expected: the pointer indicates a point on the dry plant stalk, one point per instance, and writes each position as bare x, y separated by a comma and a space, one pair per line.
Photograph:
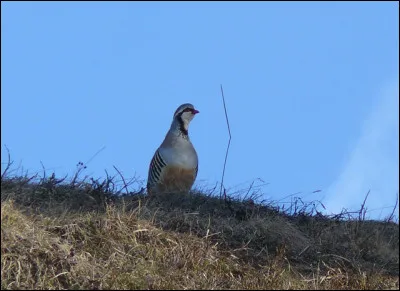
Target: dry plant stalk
229, 143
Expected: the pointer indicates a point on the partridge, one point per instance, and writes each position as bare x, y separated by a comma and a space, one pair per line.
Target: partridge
174, 165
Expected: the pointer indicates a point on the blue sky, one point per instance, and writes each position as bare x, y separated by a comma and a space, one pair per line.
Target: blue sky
312, 92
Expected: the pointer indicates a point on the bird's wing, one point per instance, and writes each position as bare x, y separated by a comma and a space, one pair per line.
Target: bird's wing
156, 169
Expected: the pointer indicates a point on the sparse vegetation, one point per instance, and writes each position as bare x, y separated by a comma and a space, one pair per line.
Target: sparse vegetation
90, 234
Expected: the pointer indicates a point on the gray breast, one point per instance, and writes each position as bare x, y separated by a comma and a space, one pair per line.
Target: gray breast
181, 154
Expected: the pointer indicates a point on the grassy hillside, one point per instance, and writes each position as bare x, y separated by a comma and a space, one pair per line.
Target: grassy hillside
87, 235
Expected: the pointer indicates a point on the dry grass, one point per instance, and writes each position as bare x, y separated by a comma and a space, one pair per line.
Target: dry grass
84, 236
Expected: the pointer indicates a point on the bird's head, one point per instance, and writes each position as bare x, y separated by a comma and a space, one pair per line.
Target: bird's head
183, 116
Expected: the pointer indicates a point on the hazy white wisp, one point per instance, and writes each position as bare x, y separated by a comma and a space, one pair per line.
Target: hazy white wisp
373, 163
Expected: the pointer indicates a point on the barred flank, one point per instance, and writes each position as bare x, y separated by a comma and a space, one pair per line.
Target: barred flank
156, 165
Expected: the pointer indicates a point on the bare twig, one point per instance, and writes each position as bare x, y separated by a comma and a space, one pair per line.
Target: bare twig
95, 155
123, 180
280, 200
363, 210
44, 171
391, 216
229, 142
9, 163
248, 191
81, 166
